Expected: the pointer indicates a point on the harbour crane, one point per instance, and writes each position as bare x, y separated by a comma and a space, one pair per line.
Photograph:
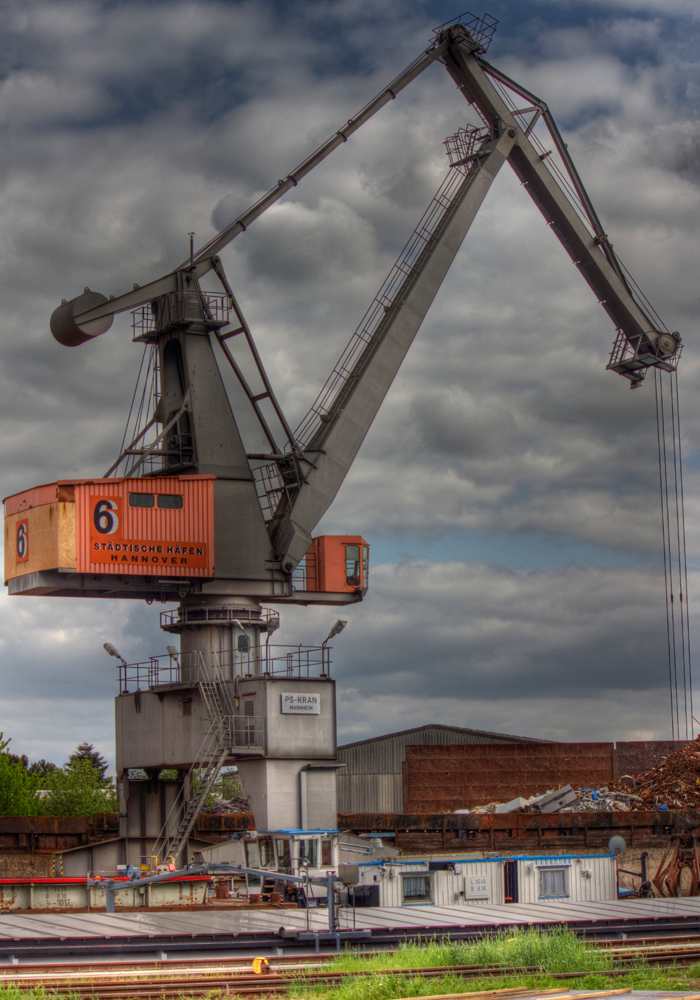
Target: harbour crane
185, 513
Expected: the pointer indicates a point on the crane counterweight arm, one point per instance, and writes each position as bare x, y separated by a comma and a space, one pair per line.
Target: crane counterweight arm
82, 324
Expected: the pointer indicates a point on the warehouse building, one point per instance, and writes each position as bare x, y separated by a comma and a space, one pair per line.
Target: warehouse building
372, 779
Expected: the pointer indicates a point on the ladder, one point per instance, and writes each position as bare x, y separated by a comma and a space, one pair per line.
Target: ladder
211, 757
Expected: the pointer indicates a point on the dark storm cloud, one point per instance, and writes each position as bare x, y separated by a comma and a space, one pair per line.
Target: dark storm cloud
128, 125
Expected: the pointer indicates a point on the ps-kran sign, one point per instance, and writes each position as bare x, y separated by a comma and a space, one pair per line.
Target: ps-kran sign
301, 704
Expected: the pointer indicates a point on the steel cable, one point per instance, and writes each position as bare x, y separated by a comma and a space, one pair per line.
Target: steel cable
663, 536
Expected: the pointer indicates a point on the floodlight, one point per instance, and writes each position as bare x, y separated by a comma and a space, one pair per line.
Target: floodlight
336, 630
172, 650
113, 651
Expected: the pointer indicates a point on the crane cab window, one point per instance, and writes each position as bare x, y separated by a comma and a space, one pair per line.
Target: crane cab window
166, 501
356, 565
169, 501
352, 566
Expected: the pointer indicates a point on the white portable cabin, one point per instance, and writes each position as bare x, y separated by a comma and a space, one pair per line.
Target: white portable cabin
473, 881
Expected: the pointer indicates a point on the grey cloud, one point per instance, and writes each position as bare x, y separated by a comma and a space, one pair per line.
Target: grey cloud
502, 417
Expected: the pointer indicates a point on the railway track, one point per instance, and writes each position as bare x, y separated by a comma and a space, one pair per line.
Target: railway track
153, 979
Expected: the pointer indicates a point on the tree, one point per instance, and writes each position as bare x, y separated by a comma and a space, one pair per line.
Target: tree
18, 788
87, 752
42, 767
78, 790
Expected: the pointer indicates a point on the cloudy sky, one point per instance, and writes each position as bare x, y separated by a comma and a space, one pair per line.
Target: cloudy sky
509, 485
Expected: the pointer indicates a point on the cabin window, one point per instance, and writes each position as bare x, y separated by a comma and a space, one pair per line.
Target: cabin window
553, 883
416, 889
259, 853
308, 850
169, 501
141, 500
365, 565
283, 856
352, 566
326, 853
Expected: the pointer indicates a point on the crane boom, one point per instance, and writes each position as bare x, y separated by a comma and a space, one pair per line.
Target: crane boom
344, 419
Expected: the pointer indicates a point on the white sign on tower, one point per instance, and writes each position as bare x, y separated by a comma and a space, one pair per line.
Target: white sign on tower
301, 704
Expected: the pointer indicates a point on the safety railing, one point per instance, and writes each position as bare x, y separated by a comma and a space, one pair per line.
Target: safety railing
246, 732
190, 668
174, 621
481, 29
182, 305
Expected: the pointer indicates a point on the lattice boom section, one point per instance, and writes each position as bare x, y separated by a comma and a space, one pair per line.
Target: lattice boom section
405, 267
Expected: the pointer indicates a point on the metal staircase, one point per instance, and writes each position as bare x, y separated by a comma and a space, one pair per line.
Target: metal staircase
211, 758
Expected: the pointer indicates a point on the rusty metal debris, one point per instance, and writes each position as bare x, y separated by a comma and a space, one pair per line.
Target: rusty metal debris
672, 784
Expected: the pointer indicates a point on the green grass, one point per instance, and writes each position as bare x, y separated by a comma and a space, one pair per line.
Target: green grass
558, 951
555, 952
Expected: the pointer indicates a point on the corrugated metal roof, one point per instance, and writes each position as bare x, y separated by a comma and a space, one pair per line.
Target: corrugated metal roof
493, 737
65, 925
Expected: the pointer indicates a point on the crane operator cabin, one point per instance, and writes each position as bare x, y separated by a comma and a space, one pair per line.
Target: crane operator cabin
187, 514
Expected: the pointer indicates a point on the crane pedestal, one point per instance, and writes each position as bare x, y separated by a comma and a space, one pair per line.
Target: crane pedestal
227, 697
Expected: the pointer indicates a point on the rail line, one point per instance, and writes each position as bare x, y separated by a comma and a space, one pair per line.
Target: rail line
146, 980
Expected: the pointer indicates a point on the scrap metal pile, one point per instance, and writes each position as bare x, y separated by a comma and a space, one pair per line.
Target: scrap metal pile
672, 784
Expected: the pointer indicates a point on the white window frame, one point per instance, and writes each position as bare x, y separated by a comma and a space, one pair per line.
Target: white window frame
415, 900
541, 870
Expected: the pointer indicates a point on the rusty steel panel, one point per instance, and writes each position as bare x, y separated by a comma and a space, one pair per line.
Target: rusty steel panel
105, 823
145, 540
47, 834
676, 819
226, 823
445, 778
43, 824
37, 496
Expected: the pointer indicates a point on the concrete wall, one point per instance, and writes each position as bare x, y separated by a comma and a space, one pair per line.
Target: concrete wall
75, 895
161, 729
27, 866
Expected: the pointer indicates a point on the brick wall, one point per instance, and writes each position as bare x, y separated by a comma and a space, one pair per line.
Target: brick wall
445, 778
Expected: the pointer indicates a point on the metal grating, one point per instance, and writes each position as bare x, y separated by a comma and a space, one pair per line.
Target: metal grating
460, 146
481, 29
627, 360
